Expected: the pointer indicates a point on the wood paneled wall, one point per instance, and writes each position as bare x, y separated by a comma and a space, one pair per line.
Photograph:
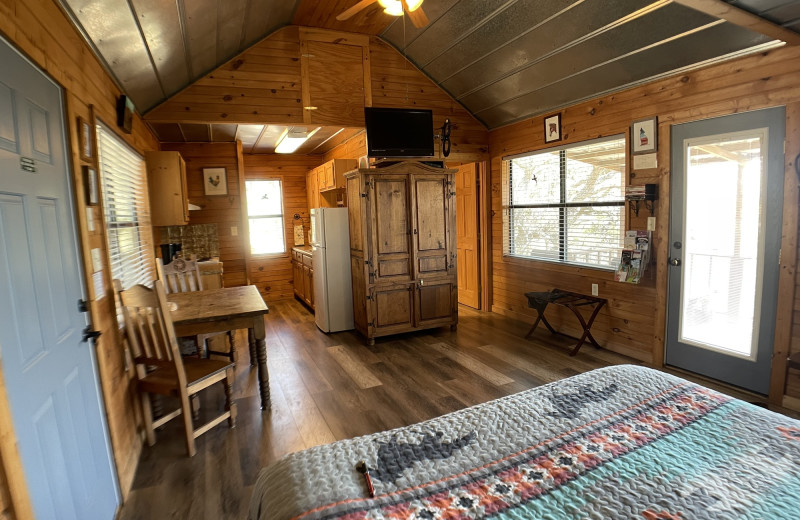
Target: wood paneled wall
41, 31
263, 84
634, 321
222, 210
272, 274
353, 148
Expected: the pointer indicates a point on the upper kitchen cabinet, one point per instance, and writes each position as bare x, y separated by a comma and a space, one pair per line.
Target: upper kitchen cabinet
166, 179
335, 74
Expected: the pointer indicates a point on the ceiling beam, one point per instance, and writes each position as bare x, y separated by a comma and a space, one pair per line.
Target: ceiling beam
742, 18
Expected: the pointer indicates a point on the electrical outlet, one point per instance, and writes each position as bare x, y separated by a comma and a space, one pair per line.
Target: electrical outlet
651, 223
234, 231
595, 289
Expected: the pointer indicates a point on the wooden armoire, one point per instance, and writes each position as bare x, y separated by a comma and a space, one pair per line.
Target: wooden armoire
402, 248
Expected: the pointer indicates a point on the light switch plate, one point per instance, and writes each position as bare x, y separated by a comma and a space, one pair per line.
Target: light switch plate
234, 231
595, 289
651, 223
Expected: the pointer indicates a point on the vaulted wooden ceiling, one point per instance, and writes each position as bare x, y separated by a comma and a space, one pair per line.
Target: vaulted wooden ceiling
503, 60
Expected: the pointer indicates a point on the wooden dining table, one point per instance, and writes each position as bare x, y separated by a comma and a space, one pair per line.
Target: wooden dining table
221, 310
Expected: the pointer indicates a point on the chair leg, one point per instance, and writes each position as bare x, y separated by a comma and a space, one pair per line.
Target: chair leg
187, 423
232, 340
229, 404
147, 414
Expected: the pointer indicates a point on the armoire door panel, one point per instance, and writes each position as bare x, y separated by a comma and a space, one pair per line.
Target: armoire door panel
431, 233
391, 231
394, 307
390, 268
434, 302
432, 264
355, 214
391, 228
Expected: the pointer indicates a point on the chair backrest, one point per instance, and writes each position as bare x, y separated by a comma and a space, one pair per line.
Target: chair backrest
211, 274
180, 275
148, 324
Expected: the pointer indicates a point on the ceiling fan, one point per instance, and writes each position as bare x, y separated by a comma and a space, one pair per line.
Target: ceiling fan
392, 7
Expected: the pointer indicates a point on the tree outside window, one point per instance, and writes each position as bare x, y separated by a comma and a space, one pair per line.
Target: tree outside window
566, 204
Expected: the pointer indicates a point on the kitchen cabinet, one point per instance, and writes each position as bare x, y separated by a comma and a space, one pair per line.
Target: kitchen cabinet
325, 184
403, 249
166, 179
303, 275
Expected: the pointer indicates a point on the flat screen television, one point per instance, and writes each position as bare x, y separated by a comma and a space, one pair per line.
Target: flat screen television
399, 132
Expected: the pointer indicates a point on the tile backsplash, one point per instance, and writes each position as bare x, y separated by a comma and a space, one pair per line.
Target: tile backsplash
200, 239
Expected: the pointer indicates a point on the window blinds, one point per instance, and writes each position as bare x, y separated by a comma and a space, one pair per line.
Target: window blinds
566, 204
127, 210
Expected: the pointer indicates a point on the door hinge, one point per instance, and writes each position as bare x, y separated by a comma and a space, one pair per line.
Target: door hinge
90, 334
371, 324
83, 305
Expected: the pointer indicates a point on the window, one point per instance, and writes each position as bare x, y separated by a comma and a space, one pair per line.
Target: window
265, 212
127, 210
566, 204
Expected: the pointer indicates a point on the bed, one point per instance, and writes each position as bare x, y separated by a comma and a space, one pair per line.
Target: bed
617, 442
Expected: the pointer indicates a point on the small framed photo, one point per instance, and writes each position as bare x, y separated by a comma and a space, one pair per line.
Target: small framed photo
644, 138
90, 185
85, 140
552, 128
215, 181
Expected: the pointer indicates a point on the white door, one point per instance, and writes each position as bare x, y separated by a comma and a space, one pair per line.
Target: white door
50, 372
725, 228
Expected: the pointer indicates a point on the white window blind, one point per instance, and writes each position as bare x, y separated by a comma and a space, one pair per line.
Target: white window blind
566, 204
127, 210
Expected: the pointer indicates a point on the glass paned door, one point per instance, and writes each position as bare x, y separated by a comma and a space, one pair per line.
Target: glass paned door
726, 202
721, 290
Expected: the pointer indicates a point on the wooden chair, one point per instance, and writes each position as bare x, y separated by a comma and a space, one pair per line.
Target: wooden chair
161, 369
182, 275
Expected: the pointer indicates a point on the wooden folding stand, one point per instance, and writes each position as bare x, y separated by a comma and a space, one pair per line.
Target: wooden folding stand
570, 300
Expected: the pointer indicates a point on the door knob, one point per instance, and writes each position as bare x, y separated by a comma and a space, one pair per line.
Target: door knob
421, 283
675, 261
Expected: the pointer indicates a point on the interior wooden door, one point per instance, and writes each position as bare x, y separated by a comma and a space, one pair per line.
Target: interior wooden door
467, 252
391, 229
432, 252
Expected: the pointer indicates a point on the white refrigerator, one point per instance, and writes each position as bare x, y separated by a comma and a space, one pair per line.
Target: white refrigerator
333, 291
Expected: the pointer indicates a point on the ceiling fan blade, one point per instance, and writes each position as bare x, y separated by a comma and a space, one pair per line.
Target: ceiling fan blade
363, 4
418, 17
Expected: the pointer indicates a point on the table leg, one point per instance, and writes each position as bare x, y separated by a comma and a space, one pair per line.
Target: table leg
586, 327
251, 340
540, 310
259, 333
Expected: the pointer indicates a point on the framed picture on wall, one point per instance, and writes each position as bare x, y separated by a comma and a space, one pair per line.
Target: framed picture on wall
552, 128
85, 140
215, 181
90, 185
643, 136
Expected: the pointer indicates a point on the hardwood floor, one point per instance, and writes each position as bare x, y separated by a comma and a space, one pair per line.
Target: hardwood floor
330, 387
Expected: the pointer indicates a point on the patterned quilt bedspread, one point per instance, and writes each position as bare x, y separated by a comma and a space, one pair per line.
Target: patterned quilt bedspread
618, 442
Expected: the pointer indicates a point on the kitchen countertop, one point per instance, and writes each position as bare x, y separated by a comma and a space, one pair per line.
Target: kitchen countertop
303, 249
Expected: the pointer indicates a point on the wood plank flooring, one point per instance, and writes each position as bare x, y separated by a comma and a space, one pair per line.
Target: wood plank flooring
330, 387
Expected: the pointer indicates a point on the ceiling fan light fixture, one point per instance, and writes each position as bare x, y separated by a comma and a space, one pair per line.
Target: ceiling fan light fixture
392, 7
